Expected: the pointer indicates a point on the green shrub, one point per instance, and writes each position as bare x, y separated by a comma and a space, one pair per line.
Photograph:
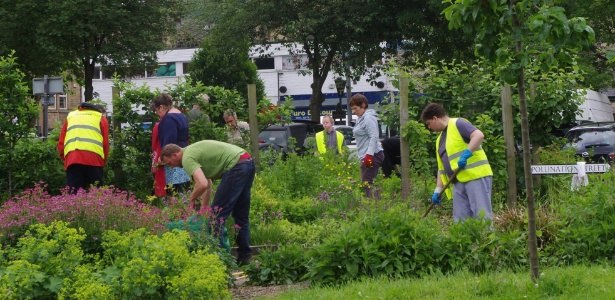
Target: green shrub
34, 160
158, 267
472, 245
300, 210
393, 243
93, 211
588, 233
284, 266
43, 257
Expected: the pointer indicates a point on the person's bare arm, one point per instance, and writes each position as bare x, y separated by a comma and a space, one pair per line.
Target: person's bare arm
207, 195
201, 184
476, 138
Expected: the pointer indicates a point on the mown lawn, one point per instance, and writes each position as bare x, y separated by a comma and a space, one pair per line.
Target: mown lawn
576, 282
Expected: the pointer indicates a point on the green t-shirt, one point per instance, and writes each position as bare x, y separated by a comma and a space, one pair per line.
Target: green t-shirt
213, 157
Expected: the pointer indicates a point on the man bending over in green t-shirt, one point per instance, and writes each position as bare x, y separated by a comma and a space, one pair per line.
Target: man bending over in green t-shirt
209, 159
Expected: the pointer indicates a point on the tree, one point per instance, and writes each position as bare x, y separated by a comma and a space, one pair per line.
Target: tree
334, 34
510, 33
226, 63
17, 107
596, 61
426, 35
75, 35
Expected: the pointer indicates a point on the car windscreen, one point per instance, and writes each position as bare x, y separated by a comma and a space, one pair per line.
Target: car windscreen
277, 137
589, 138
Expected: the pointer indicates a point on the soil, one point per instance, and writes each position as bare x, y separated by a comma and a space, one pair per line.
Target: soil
252, 292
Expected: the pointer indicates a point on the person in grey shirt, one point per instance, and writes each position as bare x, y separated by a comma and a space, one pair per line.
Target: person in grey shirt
369, 149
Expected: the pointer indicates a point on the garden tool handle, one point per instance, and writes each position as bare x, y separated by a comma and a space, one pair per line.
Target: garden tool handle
431, 206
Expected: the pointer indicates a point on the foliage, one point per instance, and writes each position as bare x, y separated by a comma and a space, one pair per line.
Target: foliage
420, 143
283, 266
573, 282
322, 33
18, 111
226, 63
48, 261
36, 160
85, 33
395, 244
546, 28
588, 223
142, 265
93, 211
44, 256
600, 72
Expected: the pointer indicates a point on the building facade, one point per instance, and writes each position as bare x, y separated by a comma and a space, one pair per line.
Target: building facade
281, 73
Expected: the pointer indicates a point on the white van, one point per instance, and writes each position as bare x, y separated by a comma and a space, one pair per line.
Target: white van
596, 108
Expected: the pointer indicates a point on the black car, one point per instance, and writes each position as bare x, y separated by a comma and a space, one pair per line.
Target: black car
595, 141
277, 137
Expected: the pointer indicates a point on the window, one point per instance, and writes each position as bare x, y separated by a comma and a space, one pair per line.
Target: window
294, 62
264, 63
185, 66
165, 69
96, 74
62, 101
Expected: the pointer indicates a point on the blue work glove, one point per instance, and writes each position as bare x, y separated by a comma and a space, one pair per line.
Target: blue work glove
463, 160
435, 198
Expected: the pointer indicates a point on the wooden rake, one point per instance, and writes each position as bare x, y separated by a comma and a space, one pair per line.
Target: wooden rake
431, 206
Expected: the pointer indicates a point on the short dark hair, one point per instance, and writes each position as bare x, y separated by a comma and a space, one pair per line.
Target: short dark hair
163, 99
170, 149
358, 100
433, 110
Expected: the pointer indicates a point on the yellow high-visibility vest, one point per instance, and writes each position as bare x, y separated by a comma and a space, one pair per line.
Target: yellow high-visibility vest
478, 164
83, 132
321, 144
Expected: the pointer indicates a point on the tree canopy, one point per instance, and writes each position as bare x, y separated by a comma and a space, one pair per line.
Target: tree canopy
226, 63
75, 35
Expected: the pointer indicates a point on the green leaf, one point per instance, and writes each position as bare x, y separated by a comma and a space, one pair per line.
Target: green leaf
53, 283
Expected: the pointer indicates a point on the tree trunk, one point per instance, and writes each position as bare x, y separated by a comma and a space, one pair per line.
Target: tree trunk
527, 171
509, 139
317, 97
88, 68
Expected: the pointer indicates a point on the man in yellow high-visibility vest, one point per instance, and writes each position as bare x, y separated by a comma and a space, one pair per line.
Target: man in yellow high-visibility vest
459, 146
84, 146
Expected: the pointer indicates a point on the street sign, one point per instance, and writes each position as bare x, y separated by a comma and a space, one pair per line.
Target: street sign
568, 169
56, 86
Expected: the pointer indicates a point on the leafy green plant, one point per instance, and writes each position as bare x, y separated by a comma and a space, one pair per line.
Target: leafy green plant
42, 258
158, 267
283, 266
18, 110
35, 161
93, 211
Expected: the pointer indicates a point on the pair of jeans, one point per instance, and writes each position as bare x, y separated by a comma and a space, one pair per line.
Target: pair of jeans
232, 198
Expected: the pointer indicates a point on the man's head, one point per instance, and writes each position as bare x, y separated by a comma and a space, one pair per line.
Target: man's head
435, 117
327, 123
230, 118
171, 155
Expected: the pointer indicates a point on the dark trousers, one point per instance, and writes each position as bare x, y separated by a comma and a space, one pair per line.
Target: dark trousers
233, 198
82, 177
369, 174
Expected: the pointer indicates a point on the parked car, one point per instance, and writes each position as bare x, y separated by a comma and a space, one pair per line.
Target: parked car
595, 142
348, 136
276, 137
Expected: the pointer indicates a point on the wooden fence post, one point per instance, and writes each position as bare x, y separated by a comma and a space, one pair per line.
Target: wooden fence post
509, 140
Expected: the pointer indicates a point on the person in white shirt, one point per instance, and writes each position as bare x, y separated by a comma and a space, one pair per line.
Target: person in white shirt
238, 132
